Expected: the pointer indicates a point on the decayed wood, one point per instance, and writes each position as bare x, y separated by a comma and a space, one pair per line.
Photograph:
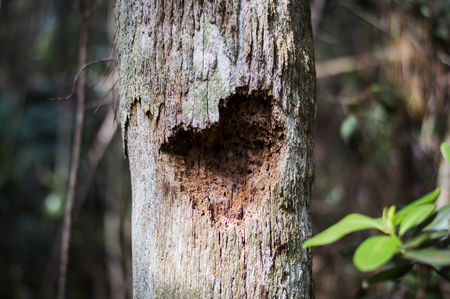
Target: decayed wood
217, 113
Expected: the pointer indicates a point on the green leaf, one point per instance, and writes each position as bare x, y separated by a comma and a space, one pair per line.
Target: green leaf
348, 126
445, 150
441, 221
415, 216
426, 239
388, 274
439, 234
415, 242
391, 212
426, 11
430, 197
432, 257
348, 224
375, 252
384, 216
390, 227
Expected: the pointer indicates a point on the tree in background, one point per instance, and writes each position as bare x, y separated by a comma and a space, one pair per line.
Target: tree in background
217, 113
40, 42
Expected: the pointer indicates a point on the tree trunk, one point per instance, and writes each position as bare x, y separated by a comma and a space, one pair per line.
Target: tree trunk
217, 112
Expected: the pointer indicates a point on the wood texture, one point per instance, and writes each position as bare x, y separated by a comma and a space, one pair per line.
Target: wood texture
217, 113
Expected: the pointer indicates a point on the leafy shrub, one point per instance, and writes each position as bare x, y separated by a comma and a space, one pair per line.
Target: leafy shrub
427, 245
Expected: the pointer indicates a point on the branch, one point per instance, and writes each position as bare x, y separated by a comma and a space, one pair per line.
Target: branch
113, 46
99, 105
83, 67
75, 151
95, 154
440, 274
372, 20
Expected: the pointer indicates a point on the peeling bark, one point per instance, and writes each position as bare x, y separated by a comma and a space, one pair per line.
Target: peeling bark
217, 112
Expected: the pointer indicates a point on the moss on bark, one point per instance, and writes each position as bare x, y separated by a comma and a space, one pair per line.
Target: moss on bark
180, 64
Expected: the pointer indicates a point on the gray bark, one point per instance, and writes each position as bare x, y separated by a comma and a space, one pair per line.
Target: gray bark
217, 113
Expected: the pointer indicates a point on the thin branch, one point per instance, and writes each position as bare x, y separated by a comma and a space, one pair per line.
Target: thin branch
84, 66
75, 151
115, 113
440, 274
95, 153
369, 19
99, 105
107, 78
444, 58
107, 66
95, 105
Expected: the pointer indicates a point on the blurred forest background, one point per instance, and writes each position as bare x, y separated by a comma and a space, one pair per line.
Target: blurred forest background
383, 70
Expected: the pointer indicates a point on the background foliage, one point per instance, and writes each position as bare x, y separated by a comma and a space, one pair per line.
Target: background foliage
38, 61
383, 87
382, 112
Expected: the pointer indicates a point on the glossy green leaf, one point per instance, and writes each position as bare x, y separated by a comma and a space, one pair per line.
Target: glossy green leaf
395, 272
441, 221
350, 223
415, 216
374, 252
430, 197
432, 257
445, 150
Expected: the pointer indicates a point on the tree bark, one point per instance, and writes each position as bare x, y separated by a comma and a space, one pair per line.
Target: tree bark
217, 113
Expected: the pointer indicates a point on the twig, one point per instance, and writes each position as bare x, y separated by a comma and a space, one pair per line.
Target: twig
95, 153
106, 80
369, 19
440, 274
95, 105
107, 66
75, 151
84, 66
115, 112
444, 58
99, 105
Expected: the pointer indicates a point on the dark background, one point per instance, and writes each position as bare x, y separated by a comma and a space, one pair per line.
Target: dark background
382, 99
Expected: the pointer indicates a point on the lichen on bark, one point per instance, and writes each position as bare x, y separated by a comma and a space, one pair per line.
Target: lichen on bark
217, 112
